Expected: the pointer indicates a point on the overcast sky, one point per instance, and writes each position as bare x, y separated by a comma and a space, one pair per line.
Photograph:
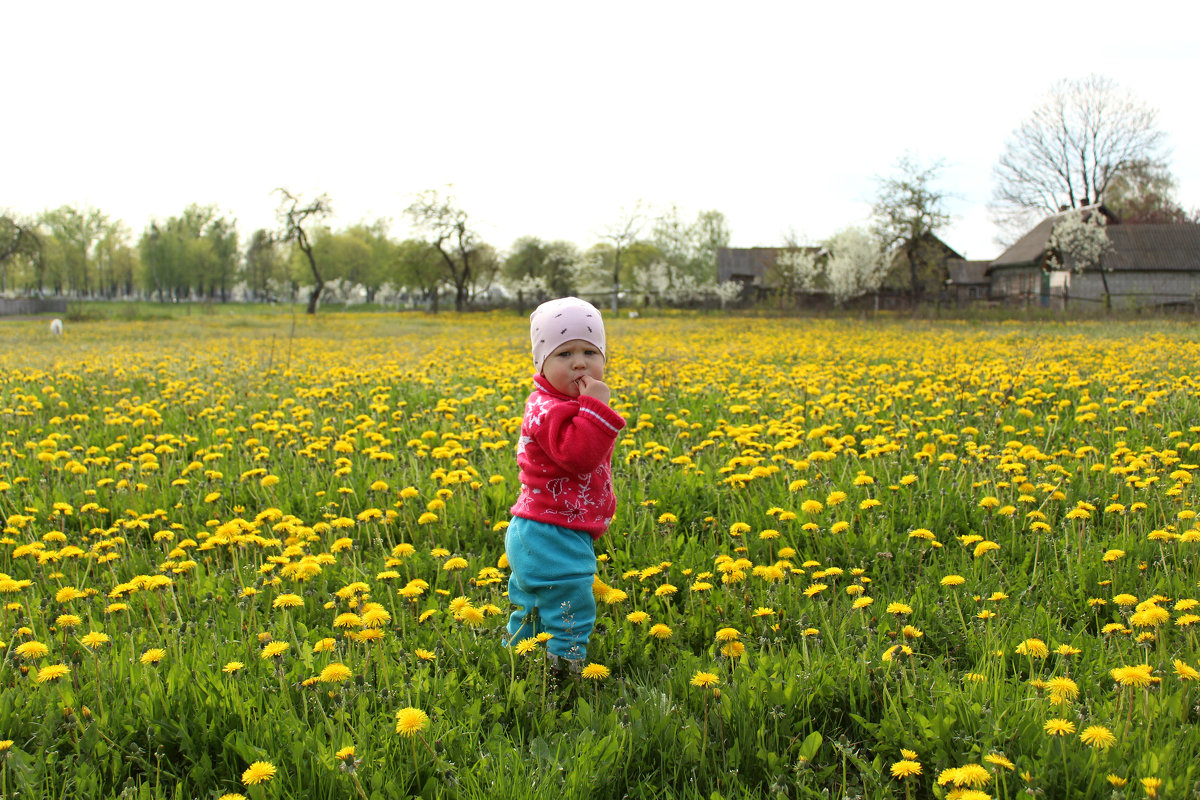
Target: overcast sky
549, 119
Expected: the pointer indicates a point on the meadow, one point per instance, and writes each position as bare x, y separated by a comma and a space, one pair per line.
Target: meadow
256, 556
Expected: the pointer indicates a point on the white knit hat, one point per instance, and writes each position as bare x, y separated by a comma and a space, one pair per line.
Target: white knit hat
563, 320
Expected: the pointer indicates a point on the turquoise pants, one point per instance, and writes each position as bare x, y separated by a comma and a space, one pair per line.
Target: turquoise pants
552, 569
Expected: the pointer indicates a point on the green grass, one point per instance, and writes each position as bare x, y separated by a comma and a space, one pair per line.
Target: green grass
149, 442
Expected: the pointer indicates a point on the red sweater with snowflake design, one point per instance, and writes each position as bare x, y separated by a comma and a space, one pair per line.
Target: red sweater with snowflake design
565, 459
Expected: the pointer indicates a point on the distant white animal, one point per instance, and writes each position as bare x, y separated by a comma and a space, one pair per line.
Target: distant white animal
633, 315
56, 327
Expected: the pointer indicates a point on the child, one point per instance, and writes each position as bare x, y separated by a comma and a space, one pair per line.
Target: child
566, 501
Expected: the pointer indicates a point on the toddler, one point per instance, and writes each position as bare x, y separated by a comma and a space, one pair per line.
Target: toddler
565, 458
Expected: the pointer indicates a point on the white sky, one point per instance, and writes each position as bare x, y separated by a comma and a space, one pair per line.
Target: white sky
549, 118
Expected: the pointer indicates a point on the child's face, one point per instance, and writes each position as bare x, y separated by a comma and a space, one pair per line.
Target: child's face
570, 361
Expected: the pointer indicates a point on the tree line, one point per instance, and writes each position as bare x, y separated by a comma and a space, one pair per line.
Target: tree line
79, 251
1087, 142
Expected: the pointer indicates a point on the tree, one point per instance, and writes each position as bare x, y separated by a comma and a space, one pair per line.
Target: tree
19, 243
797, 269
419, 266
1144, 194
1078, 242
533, 263
116, 262
193, 254
344, 258
162, 251
77, 231
295, 219
710, 233
452, 236
263, 265
381, 264
1066, 154
855, 264
622, 234
908, 213
690, 249
222, 235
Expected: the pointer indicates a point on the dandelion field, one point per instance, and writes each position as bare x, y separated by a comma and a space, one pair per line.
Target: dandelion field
850, 559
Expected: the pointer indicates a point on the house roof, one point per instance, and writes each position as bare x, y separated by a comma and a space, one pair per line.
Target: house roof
1170, 247
965, 273
1030, 248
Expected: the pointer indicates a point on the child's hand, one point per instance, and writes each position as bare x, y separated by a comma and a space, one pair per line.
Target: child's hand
597, 390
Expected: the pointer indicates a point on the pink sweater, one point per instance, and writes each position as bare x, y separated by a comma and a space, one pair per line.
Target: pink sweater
565, 458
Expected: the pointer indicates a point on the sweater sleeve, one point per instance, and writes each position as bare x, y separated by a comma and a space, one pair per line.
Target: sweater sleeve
579, 437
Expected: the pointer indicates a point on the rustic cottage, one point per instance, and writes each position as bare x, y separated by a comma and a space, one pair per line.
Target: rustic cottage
1149, 265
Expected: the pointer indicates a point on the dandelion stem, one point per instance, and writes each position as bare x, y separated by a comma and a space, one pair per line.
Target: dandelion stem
358, 786
1062, 748
1095, 771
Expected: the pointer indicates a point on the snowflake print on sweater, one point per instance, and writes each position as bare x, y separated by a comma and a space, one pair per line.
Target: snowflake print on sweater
565, 458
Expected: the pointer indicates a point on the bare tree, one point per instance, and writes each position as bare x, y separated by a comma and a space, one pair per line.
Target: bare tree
1083, 134
453, 238
622, 233
294, 219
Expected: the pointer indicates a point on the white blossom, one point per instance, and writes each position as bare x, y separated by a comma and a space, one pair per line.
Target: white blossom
855, 265
799, 270
1078, 242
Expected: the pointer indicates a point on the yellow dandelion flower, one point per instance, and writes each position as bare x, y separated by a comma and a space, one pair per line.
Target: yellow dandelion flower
1185, 671
1034, 648
94, 640
1098, 736
335, 673
274, 650
660, 631
1000, 761
53, 673
287, 601
1138, 676
258, 772
905, 768
411, 721
32, 650
733, 650
153, 655
595, 672
1059, 727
